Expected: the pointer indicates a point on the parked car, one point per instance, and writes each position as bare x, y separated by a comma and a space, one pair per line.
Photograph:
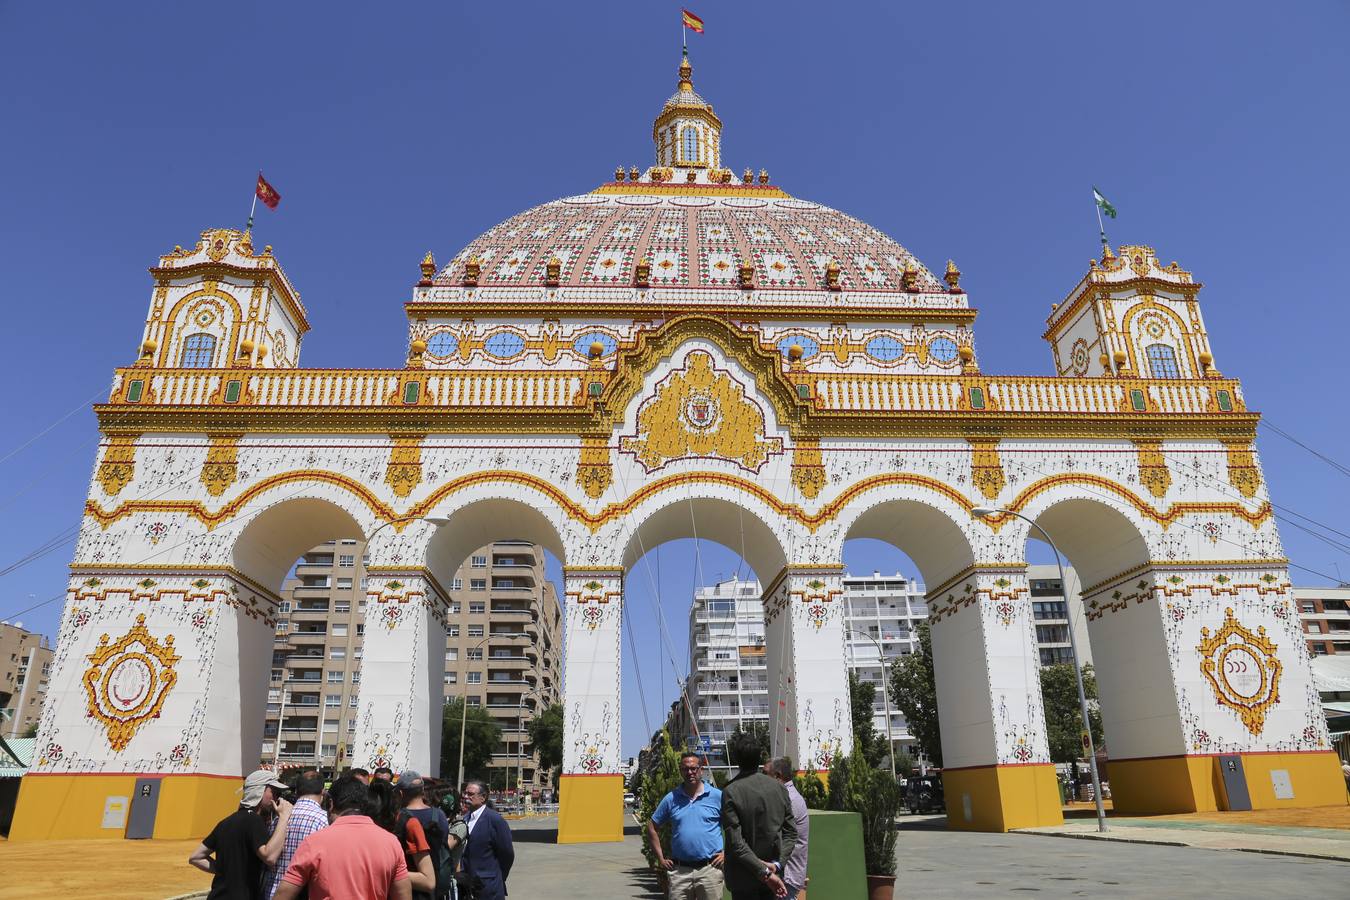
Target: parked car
923, 793
629, 800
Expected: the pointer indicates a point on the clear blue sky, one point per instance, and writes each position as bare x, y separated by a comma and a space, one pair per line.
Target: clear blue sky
964, 130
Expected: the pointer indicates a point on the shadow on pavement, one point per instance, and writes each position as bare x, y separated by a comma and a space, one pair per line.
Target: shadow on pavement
525, 832
644, 879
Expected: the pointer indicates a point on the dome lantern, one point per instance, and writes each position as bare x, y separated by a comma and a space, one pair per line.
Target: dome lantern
687, 133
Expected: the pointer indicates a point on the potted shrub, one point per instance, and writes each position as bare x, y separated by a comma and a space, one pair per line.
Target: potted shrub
855, 786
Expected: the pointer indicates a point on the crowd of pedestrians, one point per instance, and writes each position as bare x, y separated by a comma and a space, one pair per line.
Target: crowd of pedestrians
749, 837
364, 837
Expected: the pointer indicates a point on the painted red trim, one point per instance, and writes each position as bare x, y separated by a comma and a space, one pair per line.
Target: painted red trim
1110, 760
132, 774
994, 766
591, 775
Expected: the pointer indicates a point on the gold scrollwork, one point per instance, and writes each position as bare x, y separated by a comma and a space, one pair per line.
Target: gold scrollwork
405, 465
127, 681
699, 411
808, 471
1243, 669
986, 467
221, 467
1242, 469
118, 465
1153, 473
594, 472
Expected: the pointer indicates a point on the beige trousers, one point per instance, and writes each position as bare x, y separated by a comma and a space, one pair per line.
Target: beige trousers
695, 884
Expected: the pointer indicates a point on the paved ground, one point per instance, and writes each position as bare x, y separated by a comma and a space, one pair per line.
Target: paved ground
933, 863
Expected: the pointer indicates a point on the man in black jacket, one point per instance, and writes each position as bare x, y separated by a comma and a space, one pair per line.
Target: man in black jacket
489, 853
760, 830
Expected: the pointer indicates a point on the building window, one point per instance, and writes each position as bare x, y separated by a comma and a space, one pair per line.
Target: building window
346, 560
356, 677
285, 606
452, 654
474, 653
352, 701
1313, 628
1305, 606
199, 350
479, 562
344, 583
337, 653
335, 678
478, 584
474, 678
473, 701
454, 631
342, 607
332, 700
361, 629
1162, 361
690, 139
329, 750
475, 631
339, 629
276, 674
454, 609
457, 584
451, 677
477, 609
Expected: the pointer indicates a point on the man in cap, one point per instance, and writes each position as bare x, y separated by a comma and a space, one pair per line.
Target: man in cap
307, 817
435, 824
238, 848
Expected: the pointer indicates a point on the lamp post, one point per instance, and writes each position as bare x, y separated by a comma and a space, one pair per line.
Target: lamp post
520, 741
986, 511
464, 713
885, 695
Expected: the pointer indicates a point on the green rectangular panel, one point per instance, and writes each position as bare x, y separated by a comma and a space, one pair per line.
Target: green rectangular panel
134, 391
233, 390
411, 391
1225, 401
834, 857
1137, 400
804, 391
596, 388
977, 398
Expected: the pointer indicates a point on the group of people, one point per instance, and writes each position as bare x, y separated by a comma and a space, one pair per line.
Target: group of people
750, 836
364, 837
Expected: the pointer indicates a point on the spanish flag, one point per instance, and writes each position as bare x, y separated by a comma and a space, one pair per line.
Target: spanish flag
266, 193
692, 22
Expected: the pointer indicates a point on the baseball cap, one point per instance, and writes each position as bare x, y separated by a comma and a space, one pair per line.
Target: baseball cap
410, 780
254, 785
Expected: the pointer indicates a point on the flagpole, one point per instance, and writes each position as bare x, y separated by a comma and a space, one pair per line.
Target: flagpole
1100, 226
251, 210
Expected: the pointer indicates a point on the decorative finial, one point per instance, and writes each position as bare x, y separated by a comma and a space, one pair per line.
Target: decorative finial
428, 268
147, 353
686, 73
1105, 361
597, 349
472, 268
618, 173
692, 176
552, 271
967, 356
415, 351
1107, 255
748, 177
832, 275
747, 276
795, 353
910, 277
642, 274
764, 176
953, 277
633, 174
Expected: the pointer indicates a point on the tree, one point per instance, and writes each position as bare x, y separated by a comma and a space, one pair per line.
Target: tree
812, 790
546, 733
30, 731
482, 736
662, 777
862, 696
914, 693
1063, 718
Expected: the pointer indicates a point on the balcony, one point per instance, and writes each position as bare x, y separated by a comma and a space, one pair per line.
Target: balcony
512, 613
516, 663
309, 638
301, 609
304, 678
305, 659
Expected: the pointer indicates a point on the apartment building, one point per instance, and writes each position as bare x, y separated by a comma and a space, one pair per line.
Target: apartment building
25, 665
727, 684
499, 592
1324, 613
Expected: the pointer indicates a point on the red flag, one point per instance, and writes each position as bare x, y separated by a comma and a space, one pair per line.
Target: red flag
266, 193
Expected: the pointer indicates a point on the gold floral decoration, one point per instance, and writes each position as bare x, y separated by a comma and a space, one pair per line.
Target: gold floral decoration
986, 467
808, 471
221, 467
128, 681
405, 465
594, 472
118, 465
1242, 469
1153, 473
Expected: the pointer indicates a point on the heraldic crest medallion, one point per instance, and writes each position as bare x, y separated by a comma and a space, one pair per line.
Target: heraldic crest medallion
1243, 669
128, 680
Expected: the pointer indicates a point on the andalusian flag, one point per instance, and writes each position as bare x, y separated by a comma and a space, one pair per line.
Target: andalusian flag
1103, 204
692, 22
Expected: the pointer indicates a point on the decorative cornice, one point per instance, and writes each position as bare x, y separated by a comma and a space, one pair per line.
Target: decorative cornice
219, 270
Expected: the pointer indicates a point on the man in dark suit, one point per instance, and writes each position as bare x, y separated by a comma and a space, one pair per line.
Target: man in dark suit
760, 829
489, 852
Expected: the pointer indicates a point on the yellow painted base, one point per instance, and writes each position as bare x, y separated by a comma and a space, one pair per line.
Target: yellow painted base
1181, 784
590, 809
55, 807
1001, 798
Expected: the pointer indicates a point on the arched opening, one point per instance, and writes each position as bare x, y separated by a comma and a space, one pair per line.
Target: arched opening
298, 682
700, 661
500, 563
1101, 605
199, 351
1162, 361
894, 553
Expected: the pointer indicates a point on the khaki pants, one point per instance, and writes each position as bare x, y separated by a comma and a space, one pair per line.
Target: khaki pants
696, 884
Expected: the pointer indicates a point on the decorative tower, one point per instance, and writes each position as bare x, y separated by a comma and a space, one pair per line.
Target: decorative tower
687, 133
1131, 317
222, 305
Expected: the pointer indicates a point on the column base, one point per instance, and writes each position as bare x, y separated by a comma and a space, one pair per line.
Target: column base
1001, 798
59, 807
1181, 784
590, 809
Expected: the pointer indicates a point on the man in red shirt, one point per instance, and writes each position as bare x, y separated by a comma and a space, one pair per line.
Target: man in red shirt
352, 859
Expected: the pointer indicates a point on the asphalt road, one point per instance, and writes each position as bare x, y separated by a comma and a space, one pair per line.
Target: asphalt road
936, 863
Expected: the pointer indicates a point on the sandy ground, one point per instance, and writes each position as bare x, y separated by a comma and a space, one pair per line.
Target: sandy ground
109, 870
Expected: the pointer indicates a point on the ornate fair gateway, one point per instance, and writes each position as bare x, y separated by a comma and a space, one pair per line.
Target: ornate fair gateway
682, 352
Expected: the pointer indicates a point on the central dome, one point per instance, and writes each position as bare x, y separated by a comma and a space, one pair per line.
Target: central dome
688, 222
690, 236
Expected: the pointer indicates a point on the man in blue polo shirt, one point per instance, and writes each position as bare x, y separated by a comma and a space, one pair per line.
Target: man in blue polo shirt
694, 811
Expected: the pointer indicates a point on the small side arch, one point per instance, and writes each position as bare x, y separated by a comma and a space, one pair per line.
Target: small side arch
1099, 539
736, 524
483, 520
929, 534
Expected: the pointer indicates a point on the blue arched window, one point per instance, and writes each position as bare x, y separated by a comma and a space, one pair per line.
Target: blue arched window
1162, 361
690, 151
199, 350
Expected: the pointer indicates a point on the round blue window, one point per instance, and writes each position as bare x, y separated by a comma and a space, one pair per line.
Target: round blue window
942, 350
886, 349
504, 344
442, 343
809, 346
582, 345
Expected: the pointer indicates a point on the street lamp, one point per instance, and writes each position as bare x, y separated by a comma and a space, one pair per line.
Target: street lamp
520, 741
885, 695
986, 511
464, 713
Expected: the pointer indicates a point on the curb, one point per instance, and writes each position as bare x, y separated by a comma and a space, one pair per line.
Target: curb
1097, 837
